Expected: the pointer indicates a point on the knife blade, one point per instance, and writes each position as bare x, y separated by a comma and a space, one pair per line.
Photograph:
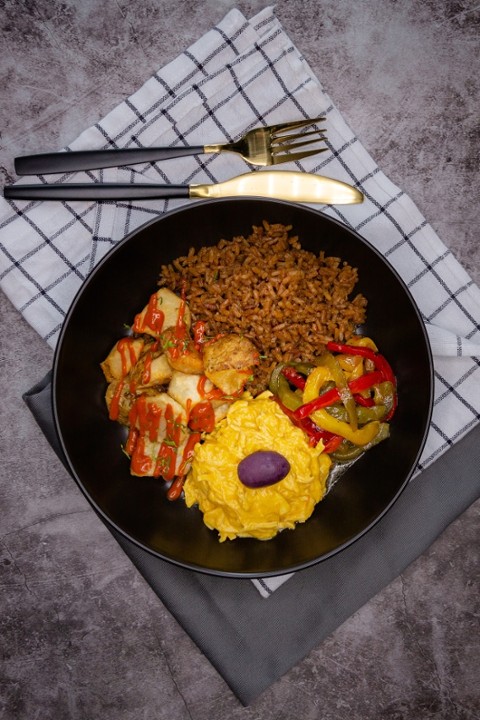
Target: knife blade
282, 185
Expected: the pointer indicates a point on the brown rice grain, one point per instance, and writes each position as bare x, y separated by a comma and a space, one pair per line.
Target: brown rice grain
287, 300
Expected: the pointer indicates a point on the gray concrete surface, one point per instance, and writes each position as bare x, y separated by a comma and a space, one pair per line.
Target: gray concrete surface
82, 635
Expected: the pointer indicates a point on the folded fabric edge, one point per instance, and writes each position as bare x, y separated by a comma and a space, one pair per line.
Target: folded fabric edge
445, 343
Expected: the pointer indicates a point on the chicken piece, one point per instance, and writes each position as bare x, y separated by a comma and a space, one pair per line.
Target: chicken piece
159, 428
152, 369
188, 390
119, 400
229, 362
184, 388
152, 412
161, 313
121, 358
181, 353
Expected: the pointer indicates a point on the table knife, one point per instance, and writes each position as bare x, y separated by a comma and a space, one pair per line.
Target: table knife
282, 185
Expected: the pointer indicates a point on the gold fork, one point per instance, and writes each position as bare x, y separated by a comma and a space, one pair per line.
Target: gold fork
269, 145
274, 144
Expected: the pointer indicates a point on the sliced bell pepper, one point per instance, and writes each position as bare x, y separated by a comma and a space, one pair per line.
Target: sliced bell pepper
330, 441
363, 341
364, 401
317, 378
347, 452
362, 436
332, 396
378, 360
364, 414
331, 363
293, 377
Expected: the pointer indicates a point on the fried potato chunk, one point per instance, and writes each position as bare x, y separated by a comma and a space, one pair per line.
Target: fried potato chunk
229, 362
160, 313
121, 358
152, 369
185, 390
181, 353
119, 400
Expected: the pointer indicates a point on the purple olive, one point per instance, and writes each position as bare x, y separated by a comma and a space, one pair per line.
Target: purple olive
262, 468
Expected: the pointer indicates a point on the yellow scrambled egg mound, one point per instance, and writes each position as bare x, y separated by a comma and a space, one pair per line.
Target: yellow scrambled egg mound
235, 510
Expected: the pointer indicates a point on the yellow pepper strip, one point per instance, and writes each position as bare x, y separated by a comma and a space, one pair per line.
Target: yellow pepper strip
352, 366
362, 341
330, 361
318, 377
362, 436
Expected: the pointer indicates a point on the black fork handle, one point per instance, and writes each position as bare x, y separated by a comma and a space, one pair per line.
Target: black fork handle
47, 163
94, 191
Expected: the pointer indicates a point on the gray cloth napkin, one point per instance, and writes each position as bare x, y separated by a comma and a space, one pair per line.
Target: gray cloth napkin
254, 648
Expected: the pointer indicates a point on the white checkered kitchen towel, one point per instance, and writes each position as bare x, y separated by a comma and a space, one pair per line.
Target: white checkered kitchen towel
239, 75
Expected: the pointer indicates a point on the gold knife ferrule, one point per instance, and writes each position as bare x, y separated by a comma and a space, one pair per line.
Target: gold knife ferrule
212, 148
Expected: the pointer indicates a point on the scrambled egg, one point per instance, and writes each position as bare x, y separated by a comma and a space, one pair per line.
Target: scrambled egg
235, 510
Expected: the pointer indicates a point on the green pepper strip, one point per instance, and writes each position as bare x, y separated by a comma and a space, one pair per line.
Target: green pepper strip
347, 451
364, 414
279, 386
333, 396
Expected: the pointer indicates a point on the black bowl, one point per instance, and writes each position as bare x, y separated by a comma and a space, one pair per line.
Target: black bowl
121, 284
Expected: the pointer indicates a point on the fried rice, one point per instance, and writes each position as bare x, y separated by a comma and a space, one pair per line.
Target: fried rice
288, 301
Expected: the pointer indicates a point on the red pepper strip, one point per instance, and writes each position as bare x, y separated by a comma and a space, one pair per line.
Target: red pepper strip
289, 413
332, 396
382, 364
332, 444
365, 382
379, 360
315, 434
294, 377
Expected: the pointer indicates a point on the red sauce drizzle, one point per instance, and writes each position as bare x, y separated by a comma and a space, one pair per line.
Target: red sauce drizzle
141, 463
202, 417
180, 340
174, 426
145, 416
213, 394
133, 435
153, 318
188, 451
165, 465
199, 334
127, 353
147, 369
114, 409
167, 455
175, 489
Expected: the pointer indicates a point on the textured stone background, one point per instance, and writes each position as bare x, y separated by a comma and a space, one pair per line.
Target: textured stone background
82, 635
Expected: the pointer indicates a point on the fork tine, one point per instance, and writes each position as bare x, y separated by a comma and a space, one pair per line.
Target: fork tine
277, 150
296, 124
286, 139
293, 157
